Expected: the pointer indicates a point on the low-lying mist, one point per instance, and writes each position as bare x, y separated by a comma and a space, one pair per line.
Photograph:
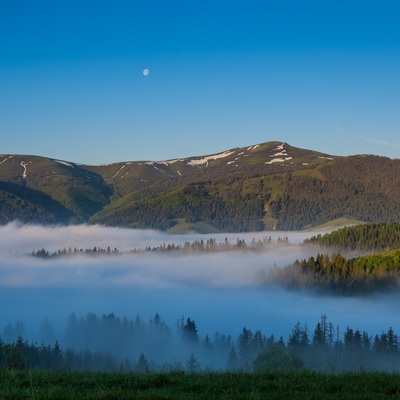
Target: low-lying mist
222, 292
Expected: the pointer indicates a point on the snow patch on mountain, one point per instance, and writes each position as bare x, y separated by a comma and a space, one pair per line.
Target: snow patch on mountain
24, 165
205, 160
6, 159
64, 163
281, 151
278, 160
96, 165
158, 169
118, 171
153, 164
168, 162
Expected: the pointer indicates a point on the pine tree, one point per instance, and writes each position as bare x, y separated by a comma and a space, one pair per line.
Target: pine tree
189, 331
192, 364
245, 348
207, 345
233, 360
318, 336
57, 355
295, 337
142, 364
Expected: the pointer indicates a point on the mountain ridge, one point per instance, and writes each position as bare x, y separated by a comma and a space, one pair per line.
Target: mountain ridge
270, 185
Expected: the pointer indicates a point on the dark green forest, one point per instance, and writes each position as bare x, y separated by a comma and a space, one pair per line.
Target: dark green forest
377, 270
340, 276
228, 207
364, 237
359, 187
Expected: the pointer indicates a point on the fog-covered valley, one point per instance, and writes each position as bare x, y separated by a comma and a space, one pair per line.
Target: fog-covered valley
221, 291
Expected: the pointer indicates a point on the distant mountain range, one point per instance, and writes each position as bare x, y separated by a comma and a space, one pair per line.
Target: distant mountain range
261, 187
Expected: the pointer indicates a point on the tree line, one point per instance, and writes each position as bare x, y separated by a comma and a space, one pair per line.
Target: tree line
201, 245
341, 276
364, 237
378, 269
109, 343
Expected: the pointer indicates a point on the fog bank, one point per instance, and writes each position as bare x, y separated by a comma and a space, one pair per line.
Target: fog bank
222, 292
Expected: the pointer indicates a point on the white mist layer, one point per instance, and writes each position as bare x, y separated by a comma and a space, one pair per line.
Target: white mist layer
221, 291
156, 269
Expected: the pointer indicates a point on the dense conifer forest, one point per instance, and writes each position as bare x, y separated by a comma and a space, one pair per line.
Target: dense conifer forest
378, 269
341, 276
109, 343
196, 246
361, 238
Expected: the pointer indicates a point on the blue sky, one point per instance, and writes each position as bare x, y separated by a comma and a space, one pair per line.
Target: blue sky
322, 75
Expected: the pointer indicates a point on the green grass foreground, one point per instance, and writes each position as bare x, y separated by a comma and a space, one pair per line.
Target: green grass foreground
32, 384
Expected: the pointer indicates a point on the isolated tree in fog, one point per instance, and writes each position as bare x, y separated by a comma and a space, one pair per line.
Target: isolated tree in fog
57, 355
192, 364
319, 336
245, 348
142, 364
189, 331
392, 342
295, 341
233, 360
207, 345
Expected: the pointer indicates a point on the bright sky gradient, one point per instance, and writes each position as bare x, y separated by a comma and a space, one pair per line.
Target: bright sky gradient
323, 75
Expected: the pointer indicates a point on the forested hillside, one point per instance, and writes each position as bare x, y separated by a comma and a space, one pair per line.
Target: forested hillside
353, 274
228, 206
364, 237
341, 276
41, 190
361, 187
267, 186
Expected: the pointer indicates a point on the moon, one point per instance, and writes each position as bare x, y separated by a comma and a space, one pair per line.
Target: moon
146, 71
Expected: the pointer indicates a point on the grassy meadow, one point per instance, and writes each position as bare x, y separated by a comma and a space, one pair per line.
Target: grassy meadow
34, 384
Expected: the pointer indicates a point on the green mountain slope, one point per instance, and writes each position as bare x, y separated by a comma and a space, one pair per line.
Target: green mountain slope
266, 186
230, 191
43, 190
